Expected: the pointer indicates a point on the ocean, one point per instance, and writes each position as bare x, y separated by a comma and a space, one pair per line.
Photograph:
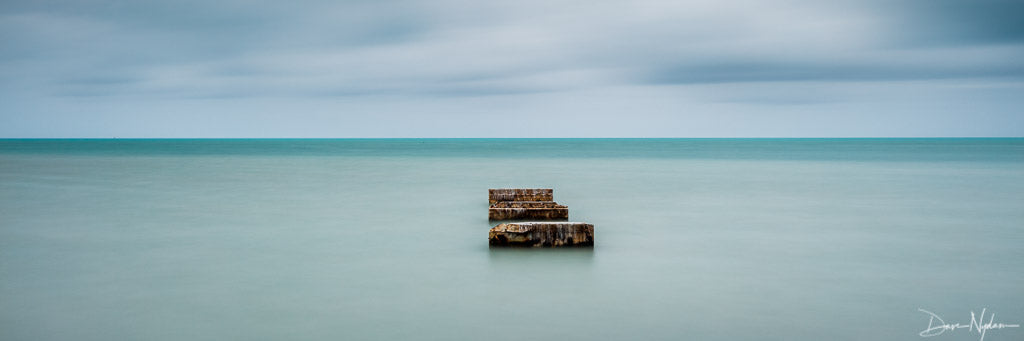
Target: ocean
386, 239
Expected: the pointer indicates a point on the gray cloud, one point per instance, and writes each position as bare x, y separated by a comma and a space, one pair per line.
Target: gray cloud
995, 63
419, 47
953, 22
423, 52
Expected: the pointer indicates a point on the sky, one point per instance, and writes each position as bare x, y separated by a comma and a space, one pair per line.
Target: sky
525, 68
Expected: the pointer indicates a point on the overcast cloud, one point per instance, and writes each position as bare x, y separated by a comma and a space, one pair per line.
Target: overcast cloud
441, 68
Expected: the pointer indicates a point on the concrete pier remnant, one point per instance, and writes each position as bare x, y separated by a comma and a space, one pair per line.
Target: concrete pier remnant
520, 194
542, 234
546, 210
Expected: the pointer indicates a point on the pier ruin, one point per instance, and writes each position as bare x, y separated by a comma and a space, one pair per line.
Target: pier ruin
534, 204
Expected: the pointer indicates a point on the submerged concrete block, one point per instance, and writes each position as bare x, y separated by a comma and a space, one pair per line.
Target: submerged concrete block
508, 210
542, 234
520, 194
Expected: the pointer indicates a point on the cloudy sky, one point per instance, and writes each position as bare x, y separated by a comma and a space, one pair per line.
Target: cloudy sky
525, 68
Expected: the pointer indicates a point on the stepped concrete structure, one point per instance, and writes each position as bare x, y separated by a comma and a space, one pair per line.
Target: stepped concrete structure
520, 194
543, 210
542, 234
534, 204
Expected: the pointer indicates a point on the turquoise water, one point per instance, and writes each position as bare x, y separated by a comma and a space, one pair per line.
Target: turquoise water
708, 239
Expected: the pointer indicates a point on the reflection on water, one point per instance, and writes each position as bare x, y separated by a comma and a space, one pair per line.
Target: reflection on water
540, 257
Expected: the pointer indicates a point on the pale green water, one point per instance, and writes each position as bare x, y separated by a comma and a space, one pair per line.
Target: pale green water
386, 239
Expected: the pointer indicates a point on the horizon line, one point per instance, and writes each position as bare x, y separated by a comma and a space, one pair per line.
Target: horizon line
510, 138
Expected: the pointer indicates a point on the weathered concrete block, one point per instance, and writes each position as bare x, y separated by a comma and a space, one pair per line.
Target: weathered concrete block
542, 234
547, 210
520, 194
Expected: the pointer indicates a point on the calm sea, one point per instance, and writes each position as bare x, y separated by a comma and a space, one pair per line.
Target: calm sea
697, 239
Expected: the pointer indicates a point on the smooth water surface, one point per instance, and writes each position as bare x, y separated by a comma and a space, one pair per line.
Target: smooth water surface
704, 239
